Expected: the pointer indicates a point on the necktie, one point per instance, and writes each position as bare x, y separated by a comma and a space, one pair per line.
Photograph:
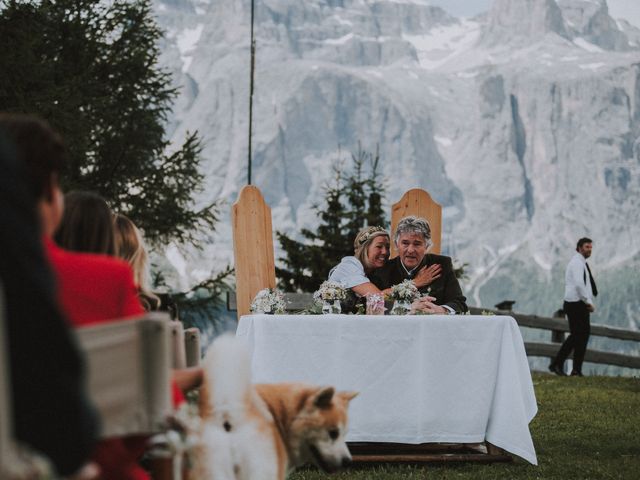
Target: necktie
594, 289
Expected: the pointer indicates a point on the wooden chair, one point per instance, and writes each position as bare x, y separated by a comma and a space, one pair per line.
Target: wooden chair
252, 247
128, 367
129, 373
185, 345
419, 203
192, 346
178, 347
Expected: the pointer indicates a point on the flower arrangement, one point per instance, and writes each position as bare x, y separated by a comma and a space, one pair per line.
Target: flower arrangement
329, 295
330, 291
268, 300
406, 291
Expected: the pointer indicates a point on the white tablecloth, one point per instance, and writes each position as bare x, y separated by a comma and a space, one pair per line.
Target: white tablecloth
435, 378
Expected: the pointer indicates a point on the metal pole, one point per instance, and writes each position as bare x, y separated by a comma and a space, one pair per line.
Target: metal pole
253, 65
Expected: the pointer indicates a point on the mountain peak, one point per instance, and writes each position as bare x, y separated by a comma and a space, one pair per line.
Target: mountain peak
522, 20
590, 20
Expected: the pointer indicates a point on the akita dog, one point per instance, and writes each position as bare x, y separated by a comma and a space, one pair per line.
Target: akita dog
263, 432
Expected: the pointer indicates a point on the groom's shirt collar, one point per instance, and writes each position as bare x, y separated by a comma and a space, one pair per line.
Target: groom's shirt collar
414, 269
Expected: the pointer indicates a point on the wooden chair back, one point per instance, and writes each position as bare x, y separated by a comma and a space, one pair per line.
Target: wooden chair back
128, 366
252, 247
192, 346
419, 203
178, 348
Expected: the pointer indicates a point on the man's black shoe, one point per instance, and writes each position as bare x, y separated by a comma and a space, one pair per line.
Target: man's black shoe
576, 374
553, 368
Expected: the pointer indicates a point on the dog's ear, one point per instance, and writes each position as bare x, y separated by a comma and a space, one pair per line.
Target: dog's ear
322, 398
347, 396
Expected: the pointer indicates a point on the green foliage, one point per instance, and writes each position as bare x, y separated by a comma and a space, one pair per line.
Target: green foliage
352, 200
586, 428
90, 69
198, 299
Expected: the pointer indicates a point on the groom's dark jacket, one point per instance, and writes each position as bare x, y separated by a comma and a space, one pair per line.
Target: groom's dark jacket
445, 288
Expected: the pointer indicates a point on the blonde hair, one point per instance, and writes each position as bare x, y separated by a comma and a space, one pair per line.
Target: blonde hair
131, 248
363, 240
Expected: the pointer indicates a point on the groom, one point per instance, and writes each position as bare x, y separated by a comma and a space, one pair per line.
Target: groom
413, 238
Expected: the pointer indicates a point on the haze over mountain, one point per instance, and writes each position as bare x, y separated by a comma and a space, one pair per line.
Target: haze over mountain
524, 123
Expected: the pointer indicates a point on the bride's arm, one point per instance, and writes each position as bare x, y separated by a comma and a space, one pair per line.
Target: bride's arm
365, 289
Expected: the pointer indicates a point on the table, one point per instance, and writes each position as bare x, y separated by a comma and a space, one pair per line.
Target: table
421, 378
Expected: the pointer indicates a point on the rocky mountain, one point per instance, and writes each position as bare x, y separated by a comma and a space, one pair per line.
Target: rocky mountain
524, 123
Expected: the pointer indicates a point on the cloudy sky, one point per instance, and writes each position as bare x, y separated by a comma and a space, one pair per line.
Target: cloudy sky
627, 9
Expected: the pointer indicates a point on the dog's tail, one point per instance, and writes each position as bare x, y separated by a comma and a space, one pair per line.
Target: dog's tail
227, 370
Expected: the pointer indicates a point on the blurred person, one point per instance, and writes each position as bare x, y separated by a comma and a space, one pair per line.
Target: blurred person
51, 410
94, 287
413, 240
130, 247
580, 288
86, 224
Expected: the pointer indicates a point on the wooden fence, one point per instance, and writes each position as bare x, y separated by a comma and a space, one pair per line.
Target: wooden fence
558, 326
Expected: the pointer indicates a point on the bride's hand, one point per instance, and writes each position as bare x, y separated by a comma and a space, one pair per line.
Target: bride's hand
427, 275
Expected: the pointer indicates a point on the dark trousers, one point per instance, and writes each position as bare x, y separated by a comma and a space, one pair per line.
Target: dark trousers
580, 328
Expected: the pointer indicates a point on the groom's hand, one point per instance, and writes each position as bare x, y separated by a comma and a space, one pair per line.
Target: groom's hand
426, 305
426, 275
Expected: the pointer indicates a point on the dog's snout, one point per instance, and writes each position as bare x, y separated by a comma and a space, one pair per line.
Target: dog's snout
346, 461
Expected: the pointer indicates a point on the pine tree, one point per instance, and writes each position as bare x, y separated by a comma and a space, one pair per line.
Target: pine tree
90, 69
352, 200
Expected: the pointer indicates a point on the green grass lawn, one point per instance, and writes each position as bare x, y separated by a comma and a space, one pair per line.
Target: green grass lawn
586, 428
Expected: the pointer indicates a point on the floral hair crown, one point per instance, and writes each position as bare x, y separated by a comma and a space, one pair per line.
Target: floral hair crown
369, 233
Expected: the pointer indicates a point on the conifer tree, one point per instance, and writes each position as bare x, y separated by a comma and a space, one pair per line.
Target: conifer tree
352, 200
90, 69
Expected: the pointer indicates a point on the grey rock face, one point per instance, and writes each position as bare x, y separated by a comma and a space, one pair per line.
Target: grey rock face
524, 124
590, 19
522, 20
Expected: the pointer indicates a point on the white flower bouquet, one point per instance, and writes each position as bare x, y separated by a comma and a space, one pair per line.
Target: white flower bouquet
268, 300
330, 291
329, 295
406, 291
403, 294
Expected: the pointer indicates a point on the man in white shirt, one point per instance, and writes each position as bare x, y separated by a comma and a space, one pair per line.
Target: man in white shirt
580, 288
